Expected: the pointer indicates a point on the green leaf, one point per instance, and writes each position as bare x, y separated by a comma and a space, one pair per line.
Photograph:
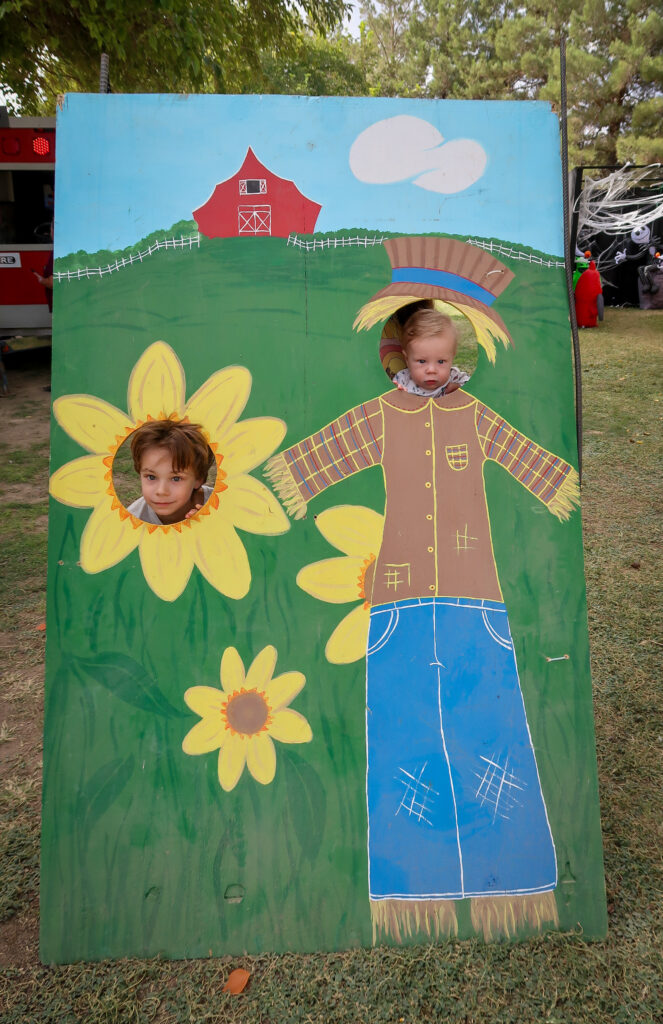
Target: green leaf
129, 681
307, 801
103, 789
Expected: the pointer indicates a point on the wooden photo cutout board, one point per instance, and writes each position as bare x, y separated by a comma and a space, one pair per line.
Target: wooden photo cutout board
348, 700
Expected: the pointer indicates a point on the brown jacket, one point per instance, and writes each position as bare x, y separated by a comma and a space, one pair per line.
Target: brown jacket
436, 539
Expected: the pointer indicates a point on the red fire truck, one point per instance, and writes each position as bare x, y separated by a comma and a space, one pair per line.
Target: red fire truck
27, 175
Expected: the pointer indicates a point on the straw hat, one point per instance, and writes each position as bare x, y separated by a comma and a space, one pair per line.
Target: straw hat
443, 268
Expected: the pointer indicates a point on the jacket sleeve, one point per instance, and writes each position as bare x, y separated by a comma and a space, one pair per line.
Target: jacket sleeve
546, 476
345, 446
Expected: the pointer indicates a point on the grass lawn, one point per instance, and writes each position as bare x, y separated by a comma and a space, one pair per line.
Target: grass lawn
556, 978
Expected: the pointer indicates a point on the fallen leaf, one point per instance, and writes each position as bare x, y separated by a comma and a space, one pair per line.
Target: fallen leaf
237, 981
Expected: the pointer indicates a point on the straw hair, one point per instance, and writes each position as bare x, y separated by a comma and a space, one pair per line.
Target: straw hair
487, 332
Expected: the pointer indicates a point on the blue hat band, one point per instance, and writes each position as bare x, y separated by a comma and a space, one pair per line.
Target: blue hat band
442, 279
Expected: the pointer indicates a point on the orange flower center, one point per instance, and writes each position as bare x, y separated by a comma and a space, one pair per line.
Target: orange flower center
247, 712
361, 579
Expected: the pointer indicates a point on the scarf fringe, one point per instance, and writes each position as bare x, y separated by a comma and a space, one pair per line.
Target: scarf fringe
280, 478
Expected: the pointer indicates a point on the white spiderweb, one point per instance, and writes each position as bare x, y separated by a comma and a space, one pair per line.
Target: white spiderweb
627, 200
622, 201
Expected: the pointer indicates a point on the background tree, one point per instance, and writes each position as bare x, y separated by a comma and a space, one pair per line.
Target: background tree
501, 49
154, 45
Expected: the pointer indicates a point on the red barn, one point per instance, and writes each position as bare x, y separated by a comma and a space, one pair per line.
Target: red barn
256, 202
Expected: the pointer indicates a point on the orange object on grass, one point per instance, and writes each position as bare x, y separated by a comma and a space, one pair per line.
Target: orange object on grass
237, 981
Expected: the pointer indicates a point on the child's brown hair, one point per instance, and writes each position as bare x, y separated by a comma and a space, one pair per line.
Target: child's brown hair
185, 442
426, 323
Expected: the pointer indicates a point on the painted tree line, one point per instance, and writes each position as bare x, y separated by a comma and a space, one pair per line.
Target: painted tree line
448, 49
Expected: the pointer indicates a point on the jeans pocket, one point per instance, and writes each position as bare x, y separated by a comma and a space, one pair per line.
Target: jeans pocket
497, 624
377, 640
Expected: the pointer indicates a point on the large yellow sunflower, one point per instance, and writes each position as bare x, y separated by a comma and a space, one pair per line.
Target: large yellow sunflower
357, 531
244, 717
208, 539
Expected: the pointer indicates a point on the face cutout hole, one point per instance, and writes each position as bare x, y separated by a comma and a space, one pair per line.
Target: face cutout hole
391, 353
168, 495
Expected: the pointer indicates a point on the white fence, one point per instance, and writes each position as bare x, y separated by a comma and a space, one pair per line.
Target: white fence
514, 254
339, 243
188, 242
333, 243
165, 243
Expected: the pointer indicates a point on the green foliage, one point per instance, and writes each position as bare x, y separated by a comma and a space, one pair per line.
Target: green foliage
491, 49
312, 66
161, 46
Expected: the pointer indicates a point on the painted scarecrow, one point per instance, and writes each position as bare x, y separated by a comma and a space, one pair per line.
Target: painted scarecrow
455, 807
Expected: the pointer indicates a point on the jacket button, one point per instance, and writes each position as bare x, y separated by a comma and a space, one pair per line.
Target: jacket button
429, 517
430, 549
429, 453
428, 483
432, 586
427, 424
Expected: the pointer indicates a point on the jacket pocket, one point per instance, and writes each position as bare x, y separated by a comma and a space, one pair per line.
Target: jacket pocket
457, 456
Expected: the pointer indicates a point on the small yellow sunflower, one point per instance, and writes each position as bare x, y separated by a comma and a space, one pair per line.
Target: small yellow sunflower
244, 717
208, 539
357, 531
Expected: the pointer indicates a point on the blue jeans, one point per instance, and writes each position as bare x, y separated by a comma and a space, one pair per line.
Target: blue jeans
455, 807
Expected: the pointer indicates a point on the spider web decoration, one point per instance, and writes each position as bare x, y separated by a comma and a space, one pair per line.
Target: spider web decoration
616, 204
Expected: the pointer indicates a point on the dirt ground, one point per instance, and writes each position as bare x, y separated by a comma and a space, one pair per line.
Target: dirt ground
24, 426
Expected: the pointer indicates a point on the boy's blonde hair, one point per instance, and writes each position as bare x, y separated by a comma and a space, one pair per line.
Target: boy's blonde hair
185, 441
426, 323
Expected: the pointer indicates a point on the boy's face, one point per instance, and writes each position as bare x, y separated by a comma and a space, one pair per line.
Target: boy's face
429, 360
168, 493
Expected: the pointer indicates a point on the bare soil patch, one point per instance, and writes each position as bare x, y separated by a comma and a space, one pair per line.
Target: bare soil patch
25, 412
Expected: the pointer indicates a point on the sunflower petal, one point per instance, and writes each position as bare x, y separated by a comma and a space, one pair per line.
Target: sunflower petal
261, 669
204, 700
221, 557
251, 506
232, 757
248, 443
334, 579
290, 727
284, 688
156, 386
348, 641
93, 423
80, 483
261, 759
166, 556
353, 529
106, 539
210, 734
232, 670
220, 401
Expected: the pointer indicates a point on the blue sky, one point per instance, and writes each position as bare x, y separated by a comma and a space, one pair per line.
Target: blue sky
128, 165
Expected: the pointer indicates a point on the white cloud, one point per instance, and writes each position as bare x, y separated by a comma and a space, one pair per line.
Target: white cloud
408, 148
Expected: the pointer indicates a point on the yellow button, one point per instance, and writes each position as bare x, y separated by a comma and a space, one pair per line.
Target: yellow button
429, 517
429, 453
432, 586
430, 549
427, 424
428, 483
